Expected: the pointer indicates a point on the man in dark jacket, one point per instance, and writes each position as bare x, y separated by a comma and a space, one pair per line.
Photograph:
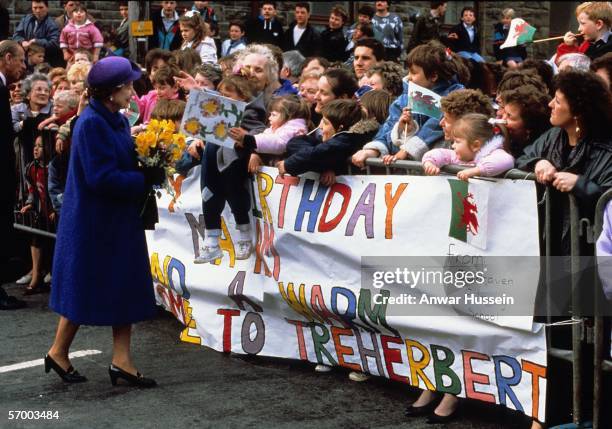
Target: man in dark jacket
300, 35
12, 67
333, 42
38, 27
123, 31
4, 23
166, 30
464, 38
265, 28
427, 26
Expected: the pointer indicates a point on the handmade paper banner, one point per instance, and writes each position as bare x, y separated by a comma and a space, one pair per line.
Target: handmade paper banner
300, 295
209, 116
424, 101
519, 34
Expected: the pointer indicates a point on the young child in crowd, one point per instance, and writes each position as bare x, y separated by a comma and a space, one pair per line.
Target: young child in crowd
511, 57
289, 117
464, 37
430, 66
65, 105
65, 108
344, 130
477, 142
224, 181
170, 110
236, 40
459, 103
80, 32
595, 20
36, 56
164, 87
195, 33
387, 75
375, 105
83, 56
227, 64
37, 202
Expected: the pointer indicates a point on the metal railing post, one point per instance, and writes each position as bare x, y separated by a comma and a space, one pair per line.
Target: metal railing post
576, 312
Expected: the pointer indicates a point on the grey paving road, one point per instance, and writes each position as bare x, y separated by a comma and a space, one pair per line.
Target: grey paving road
198, 387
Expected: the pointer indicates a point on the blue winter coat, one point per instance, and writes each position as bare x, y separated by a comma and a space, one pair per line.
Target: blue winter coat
101, 272
429, 130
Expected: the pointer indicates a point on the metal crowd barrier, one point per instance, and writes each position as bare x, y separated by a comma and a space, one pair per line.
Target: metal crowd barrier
577, 233
581, 231
27, 222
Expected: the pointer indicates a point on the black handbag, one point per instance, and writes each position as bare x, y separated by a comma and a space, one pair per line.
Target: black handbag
148, 213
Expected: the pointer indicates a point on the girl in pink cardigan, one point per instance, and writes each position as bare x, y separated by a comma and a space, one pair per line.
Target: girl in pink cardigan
476, 143
289, 117
80, 32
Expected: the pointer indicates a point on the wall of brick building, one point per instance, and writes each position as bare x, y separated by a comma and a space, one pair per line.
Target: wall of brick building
539, 14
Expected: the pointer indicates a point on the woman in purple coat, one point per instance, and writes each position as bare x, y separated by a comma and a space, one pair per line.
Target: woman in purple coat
101, 272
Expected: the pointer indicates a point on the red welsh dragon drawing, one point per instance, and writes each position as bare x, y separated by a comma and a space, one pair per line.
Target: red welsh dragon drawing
468, 217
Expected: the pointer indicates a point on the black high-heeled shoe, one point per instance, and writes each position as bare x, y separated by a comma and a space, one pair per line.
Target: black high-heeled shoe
135, 380
412, 411
70, 375
434, 418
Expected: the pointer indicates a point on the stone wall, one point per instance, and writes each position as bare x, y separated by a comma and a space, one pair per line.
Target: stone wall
538, 14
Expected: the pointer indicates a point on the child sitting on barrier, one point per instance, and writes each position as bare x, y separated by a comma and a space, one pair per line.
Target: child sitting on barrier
344, 129
477, 142
289, 117
226, 181
43, 215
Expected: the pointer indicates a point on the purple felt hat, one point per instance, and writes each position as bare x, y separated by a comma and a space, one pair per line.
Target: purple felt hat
112, 71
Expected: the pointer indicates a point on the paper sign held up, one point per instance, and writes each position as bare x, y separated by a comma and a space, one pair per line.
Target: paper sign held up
209, 116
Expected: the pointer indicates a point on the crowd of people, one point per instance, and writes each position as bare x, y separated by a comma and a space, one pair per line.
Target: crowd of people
316, 101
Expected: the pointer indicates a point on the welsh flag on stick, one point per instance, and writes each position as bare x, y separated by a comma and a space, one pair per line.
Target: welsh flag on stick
519, 34
424, 101
469, 210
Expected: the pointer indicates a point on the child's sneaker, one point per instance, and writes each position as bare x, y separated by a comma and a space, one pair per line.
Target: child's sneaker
208, 254
244, 249
358, 376
322, 368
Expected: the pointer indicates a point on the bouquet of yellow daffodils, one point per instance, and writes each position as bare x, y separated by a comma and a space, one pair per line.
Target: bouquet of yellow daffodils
159, 145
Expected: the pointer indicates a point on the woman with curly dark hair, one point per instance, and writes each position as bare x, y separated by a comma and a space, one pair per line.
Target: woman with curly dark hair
576, 154
526, 112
